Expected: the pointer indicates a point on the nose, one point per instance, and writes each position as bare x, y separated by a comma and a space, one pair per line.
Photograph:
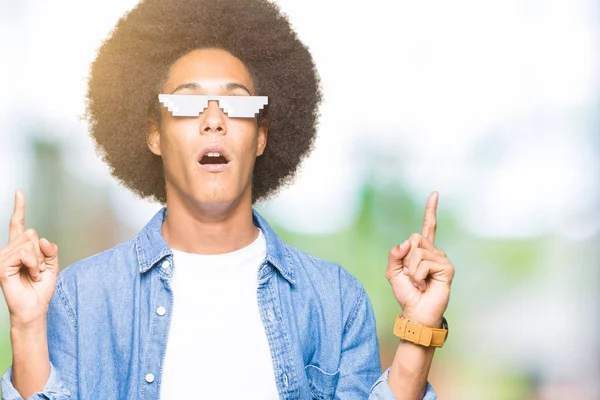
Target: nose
213, 119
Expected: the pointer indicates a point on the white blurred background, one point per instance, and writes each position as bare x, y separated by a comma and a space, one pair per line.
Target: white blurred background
495, 104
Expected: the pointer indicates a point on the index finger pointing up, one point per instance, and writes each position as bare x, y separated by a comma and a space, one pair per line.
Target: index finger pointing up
430, 222
17, 222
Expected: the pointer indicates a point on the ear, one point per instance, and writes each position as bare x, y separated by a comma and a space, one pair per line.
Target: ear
153, 138
263, 130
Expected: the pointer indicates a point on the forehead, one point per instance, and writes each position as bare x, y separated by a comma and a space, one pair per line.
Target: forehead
209, 68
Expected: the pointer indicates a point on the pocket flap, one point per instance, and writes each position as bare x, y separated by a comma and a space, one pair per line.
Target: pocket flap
322, 383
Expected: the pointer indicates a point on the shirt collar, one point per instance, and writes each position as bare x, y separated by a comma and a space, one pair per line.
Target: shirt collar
151, 247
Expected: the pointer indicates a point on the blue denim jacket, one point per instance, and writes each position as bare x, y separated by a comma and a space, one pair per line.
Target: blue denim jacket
107, 341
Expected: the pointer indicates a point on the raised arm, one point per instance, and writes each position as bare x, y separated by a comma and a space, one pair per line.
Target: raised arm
28, 273
420, 275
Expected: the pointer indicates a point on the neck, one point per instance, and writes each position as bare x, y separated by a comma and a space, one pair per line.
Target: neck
209, 228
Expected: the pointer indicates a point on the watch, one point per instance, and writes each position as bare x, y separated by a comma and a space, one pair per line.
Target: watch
419, 334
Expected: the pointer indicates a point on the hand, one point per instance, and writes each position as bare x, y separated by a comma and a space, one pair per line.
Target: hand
421, 274
28, 272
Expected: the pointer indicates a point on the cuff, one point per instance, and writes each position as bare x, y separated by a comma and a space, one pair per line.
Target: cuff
53, 389
381, 389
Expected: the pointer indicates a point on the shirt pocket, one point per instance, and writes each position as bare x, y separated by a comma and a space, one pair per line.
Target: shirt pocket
322, 383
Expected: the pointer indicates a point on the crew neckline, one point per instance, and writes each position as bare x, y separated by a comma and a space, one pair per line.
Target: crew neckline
258, 246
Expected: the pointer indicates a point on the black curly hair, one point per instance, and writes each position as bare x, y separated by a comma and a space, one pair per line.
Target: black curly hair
131, 68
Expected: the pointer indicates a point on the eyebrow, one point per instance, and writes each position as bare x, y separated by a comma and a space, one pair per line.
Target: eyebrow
228, 87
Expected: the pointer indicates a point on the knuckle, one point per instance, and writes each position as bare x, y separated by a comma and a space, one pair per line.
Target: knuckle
30, 233
23, 252
388, 274
27, 251
419, 270
422, 272
15, 220
418, 253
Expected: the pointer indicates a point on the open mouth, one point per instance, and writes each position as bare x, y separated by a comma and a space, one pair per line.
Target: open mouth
213, 158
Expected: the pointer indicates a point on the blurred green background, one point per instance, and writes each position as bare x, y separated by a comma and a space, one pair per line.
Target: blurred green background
494, 105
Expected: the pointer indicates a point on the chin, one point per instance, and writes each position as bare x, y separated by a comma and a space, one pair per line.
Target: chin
216, 197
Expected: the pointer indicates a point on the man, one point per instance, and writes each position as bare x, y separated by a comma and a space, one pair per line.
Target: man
208, 107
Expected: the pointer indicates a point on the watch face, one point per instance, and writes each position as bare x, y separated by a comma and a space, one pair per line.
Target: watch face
445, 326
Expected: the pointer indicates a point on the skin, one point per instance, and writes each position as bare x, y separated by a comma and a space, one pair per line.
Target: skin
420, 275
28, 272
211, 213
204, 208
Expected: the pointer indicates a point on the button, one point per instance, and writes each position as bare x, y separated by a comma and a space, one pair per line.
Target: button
149, 378
161, 311
166, 264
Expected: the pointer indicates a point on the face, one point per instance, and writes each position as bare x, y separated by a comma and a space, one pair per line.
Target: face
208, 159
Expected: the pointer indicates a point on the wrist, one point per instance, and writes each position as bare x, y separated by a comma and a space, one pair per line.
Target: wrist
26, 342
428, 321
30, 329
414, 332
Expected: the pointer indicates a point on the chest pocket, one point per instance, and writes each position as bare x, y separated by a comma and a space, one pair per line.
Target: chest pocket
322, 384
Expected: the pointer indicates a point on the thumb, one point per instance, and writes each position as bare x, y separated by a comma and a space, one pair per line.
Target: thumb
399, 252
50, 251
403, 249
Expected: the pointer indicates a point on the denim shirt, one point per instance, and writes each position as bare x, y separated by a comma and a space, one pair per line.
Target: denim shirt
108, 341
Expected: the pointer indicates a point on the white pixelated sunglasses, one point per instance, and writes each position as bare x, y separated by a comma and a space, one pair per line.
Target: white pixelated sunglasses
192, 105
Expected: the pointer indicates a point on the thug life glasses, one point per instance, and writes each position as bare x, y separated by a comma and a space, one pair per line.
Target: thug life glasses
192, 105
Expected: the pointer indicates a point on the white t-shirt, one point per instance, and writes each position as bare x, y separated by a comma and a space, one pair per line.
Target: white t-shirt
217, 346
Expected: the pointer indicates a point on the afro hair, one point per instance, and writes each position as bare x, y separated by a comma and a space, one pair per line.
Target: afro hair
132, 65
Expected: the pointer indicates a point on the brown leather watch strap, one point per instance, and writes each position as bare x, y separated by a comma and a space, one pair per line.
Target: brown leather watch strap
419, 334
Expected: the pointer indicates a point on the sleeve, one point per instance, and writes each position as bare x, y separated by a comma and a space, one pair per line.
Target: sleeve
53, 389
61, 327
381, 390
360, 368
